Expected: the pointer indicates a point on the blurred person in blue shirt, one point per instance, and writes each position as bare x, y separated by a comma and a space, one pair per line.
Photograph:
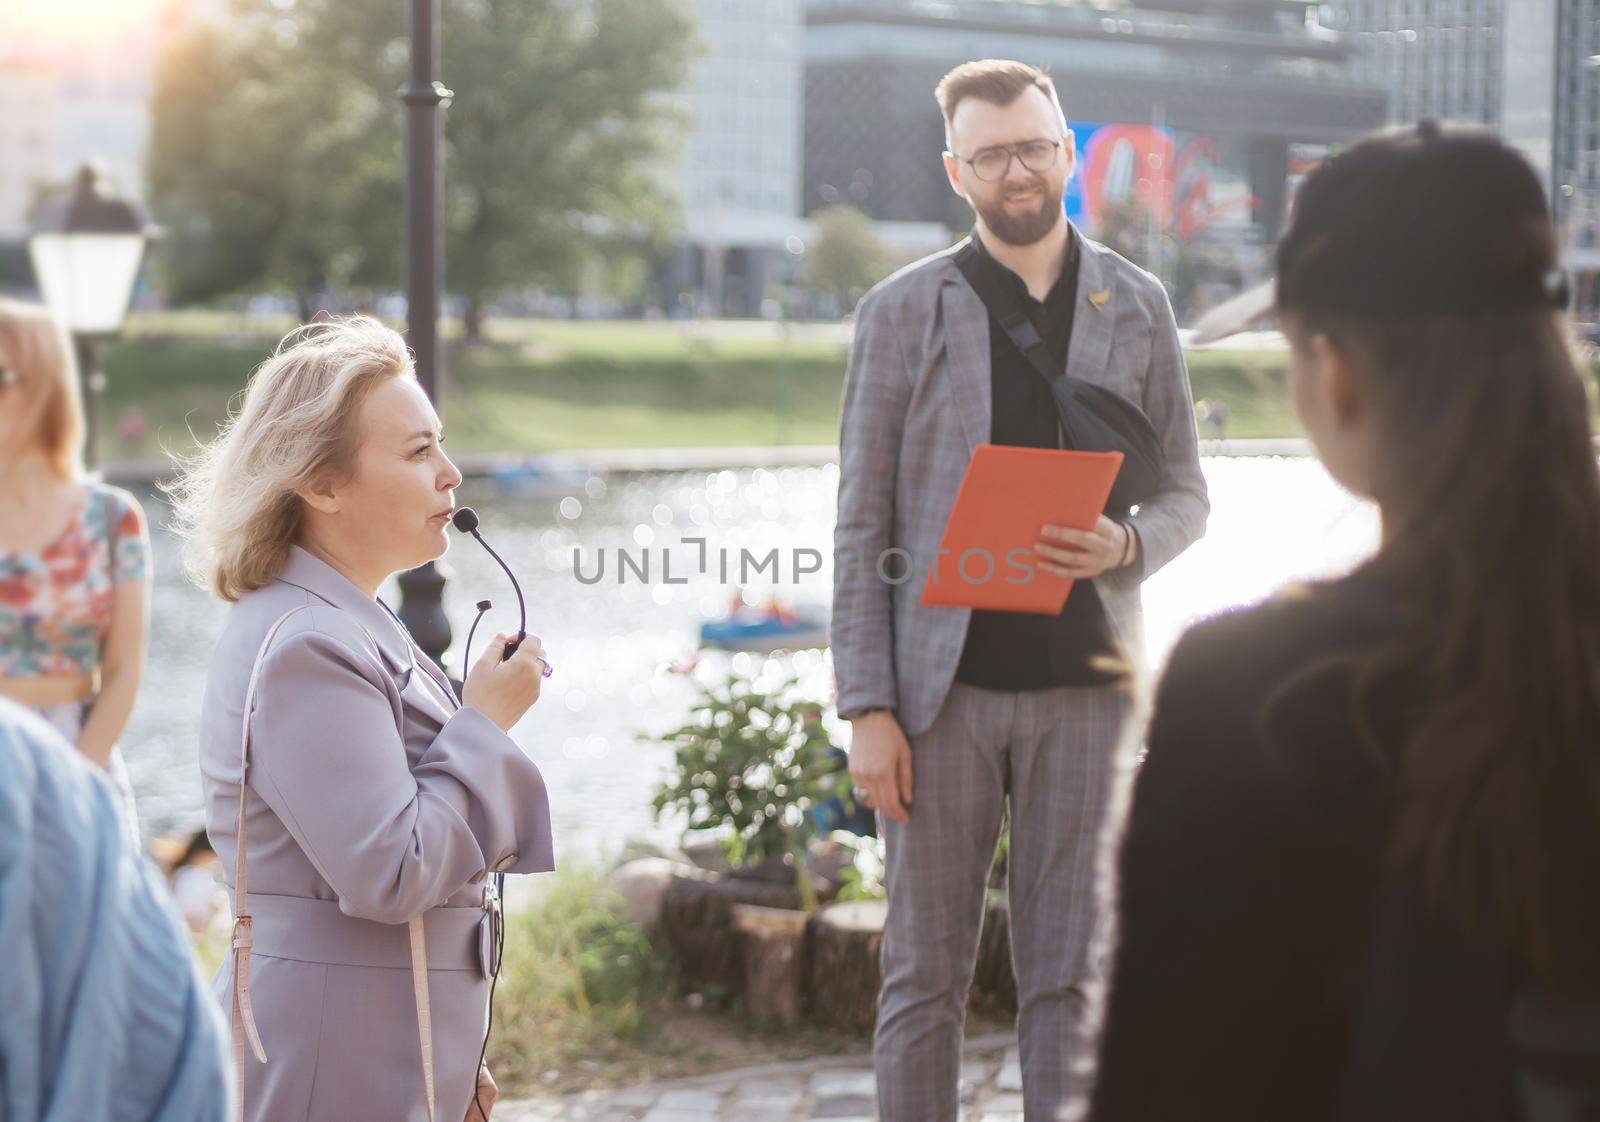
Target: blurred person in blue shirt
105, 1015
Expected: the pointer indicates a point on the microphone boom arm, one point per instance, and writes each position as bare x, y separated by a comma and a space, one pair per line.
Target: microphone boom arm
522, 610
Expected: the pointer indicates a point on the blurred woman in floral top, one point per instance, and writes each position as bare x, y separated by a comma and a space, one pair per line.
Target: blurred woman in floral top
74, 554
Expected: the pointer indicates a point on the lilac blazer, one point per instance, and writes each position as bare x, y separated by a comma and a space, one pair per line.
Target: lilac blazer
375, 797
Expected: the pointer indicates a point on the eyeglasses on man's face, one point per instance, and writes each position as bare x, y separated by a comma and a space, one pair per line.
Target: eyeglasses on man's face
990, 164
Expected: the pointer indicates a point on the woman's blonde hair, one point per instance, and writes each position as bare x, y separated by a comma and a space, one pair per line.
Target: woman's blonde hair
35, 348
236, 501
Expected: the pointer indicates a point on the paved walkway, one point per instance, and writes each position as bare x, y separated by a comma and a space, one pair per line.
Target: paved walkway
835, 1089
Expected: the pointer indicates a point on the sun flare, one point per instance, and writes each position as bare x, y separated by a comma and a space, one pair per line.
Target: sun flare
56, 22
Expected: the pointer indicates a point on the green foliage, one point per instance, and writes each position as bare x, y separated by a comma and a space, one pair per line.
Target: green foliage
274, 156
862, 878
277, 151
846, 257
581, 385
578, 980
584, 1002
751, 763
558, 135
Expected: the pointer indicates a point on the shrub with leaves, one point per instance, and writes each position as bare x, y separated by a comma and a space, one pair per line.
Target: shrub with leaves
752, 762
580, 985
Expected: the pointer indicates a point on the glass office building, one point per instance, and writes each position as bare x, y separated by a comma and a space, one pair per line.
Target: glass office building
1530, 69
1437, 58
739, 174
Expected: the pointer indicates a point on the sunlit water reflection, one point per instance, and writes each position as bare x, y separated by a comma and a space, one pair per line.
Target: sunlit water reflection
1272, 521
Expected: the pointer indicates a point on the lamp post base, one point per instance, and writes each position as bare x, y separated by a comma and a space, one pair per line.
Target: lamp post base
422, 609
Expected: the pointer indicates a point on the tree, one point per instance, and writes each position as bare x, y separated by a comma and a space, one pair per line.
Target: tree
846, 257
220, 217
556, 153
268, 165
277, 152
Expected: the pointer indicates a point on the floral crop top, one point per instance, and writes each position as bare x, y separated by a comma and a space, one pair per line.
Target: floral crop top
55, 604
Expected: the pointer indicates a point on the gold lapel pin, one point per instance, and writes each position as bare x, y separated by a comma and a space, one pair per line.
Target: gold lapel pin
1098, 299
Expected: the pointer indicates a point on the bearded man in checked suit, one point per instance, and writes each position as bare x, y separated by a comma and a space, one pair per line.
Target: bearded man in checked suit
960, 716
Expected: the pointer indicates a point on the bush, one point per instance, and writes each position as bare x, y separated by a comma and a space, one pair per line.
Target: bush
576, 983
752, 765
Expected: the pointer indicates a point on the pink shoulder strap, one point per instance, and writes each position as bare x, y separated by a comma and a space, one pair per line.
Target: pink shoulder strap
243, 1016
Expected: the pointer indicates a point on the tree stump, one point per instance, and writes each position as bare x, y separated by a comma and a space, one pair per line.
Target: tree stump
843, 972
772, 958
994, 984
697, 924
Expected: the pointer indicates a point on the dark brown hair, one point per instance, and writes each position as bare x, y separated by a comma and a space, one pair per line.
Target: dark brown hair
998, 81
1491, 503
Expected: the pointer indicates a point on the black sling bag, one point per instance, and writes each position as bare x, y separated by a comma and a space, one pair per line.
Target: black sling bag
1091, 418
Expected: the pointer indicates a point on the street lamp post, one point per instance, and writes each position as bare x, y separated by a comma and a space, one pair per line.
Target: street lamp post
422, 589
86, 245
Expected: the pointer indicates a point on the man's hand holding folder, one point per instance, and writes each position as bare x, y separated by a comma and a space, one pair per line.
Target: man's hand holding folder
991, 555
1085, 554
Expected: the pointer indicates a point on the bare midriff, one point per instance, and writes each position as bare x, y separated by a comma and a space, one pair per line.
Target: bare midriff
44, 691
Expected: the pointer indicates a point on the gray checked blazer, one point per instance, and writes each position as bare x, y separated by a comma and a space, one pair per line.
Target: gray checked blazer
916, 404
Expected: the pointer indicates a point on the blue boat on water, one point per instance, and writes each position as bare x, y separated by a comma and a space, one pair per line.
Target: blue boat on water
538, 474
768, 628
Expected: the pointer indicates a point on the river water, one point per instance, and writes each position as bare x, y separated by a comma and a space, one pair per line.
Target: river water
614, 644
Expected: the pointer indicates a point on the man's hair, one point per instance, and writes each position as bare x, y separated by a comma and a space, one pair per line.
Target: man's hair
998, 81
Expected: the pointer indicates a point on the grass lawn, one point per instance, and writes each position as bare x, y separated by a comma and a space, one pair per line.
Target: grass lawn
539, 385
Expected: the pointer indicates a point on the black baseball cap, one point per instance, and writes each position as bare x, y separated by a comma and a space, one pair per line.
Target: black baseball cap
1409, 223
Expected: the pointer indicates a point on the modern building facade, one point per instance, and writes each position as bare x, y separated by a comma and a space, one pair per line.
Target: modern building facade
739, 175
1530, 69
1564, 115
1436, 58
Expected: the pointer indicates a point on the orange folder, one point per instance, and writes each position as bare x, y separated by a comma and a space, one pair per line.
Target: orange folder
986, 557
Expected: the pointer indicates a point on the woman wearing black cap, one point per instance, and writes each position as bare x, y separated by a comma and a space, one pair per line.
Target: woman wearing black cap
1359, 876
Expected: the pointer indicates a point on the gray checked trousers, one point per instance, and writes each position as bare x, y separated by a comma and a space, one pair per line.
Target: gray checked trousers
1049, 753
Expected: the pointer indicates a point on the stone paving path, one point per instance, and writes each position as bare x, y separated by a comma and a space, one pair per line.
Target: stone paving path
832, 1089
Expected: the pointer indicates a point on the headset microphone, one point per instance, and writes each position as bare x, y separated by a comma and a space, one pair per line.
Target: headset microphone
465, 519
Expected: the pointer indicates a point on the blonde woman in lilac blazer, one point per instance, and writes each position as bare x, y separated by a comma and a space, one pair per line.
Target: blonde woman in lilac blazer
376, 803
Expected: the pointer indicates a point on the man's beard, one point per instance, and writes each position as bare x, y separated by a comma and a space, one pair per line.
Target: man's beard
1026, 227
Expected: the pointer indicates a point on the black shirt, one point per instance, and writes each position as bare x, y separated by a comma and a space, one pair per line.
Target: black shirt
1016, 650
1267, 968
